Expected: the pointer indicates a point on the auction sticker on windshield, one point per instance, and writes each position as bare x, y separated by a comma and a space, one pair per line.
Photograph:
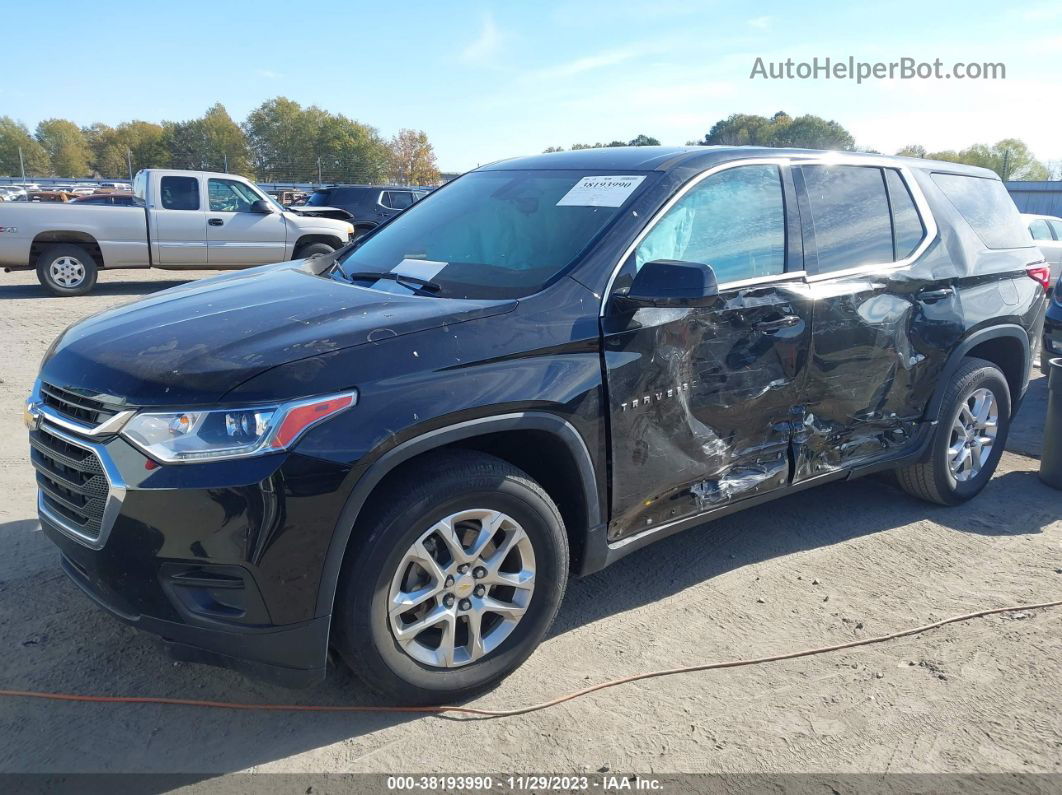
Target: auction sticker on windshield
606, 191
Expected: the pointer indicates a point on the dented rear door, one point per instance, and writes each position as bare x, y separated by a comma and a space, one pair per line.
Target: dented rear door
701, 398
882, 325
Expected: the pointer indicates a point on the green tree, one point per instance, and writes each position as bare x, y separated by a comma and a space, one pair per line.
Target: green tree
68, 151
781, 130
1010, 158
413, 159
213, 142
140, 144
643, 140
912, 150
289, 142
15, 136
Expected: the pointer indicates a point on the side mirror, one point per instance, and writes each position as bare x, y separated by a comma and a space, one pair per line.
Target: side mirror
671, 283
261, 206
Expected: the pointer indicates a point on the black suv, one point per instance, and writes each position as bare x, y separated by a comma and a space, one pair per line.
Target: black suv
370, 205
401, 450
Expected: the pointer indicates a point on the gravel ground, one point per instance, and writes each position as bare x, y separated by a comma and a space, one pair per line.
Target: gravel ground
825, 566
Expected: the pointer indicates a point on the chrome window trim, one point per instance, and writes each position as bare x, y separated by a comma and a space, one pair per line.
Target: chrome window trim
115, 493
826, 159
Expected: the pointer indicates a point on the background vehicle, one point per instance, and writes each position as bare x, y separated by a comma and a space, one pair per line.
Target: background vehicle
13, 192
49, 196
185, 219
1046, 230
1052, 339
108, 200
370, 205
542, 367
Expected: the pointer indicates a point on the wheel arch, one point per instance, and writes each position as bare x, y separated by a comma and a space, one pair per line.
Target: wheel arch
305, 240
60, 236
569, 480
1007, 346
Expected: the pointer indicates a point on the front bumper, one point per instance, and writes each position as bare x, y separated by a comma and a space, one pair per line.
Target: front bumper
223, 560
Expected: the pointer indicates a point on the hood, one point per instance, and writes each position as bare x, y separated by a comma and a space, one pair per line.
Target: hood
191, 344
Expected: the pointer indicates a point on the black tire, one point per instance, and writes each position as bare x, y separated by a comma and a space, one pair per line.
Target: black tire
440, 486
309, 249
931, 479
74, 273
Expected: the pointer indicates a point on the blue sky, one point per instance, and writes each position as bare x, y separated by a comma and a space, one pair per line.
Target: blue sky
489, 79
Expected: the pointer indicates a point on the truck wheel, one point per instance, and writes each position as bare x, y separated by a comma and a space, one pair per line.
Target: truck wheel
969, 439
66, 270
309, 249
454, 581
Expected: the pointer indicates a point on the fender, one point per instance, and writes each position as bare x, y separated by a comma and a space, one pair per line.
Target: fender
431, 440
932, 414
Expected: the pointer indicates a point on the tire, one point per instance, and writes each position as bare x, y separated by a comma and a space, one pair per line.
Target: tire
66, 269
310, 249
933, 478
444, 485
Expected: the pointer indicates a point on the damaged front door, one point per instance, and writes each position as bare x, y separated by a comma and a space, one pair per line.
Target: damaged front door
701, 397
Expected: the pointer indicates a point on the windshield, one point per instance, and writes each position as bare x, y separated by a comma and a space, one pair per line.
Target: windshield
319, 198
493, 234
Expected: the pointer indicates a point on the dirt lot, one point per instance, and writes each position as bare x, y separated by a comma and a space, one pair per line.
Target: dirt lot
825, 566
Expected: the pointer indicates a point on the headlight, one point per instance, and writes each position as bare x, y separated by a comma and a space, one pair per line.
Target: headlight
182, 436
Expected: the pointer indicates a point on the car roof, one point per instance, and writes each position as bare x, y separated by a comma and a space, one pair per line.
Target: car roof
697, 158
1034, 216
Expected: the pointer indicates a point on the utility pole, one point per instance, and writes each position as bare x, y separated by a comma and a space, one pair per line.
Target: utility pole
129, 162
319, 180
226, 156
22, 165
1006, 161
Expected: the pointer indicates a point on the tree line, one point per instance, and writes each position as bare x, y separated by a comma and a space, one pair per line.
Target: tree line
279, 141
1010, 158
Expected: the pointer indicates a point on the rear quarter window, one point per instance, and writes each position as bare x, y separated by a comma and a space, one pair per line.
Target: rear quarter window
987, 207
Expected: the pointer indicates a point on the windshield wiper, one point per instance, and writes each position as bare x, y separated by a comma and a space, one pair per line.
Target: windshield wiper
413, 282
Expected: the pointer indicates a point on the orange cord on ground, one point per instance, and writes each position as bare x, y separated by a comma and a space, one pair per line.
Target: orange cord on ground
476, 712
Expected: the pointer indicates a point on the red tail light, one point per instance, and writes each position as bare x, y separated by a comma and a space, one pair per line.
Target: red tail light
1040, 273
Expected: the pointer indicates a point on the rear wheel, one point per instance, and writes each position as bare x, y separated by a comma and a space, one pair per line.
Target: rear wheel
457, 580
969, 438
66, 269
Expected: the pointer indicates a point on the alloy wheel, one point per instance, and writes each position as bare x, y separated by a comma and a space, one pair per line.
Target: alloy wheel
67, 271
973, 433
462, 588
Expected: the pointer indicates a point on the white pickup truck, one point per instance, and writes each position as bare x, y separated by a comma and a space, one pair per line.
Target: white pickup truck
183, 220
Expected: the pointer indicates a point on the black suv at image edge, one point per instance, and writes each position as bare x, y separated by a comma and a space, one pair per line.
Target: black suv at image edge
368, 205
401, 451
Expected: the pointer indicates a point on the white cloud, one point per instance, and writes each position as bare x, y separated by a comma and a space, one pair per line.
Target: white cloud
269, 74
761, 23
1040, 13
486, 45
590, 62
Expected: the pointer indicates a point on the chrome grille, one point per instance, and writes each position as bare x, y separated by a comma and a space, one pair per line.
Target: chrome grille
76, 407
72, 483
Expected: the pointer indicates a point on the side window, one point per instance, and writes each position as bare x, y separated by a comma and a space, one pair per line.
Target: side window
849, 215
397, 199
1040, 230
229, 196
907, 227
733, 221
180, 193
987, 208
1057, 227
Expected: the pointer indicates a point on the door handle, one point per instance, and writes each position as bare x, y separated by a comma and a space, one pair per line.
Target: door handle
215, 222
771, 326
932, 296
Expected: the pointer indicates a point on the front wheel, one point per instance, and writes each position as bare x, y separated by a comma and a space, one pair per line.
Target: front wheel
66, 270
969, 438
454, 582
312, 249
